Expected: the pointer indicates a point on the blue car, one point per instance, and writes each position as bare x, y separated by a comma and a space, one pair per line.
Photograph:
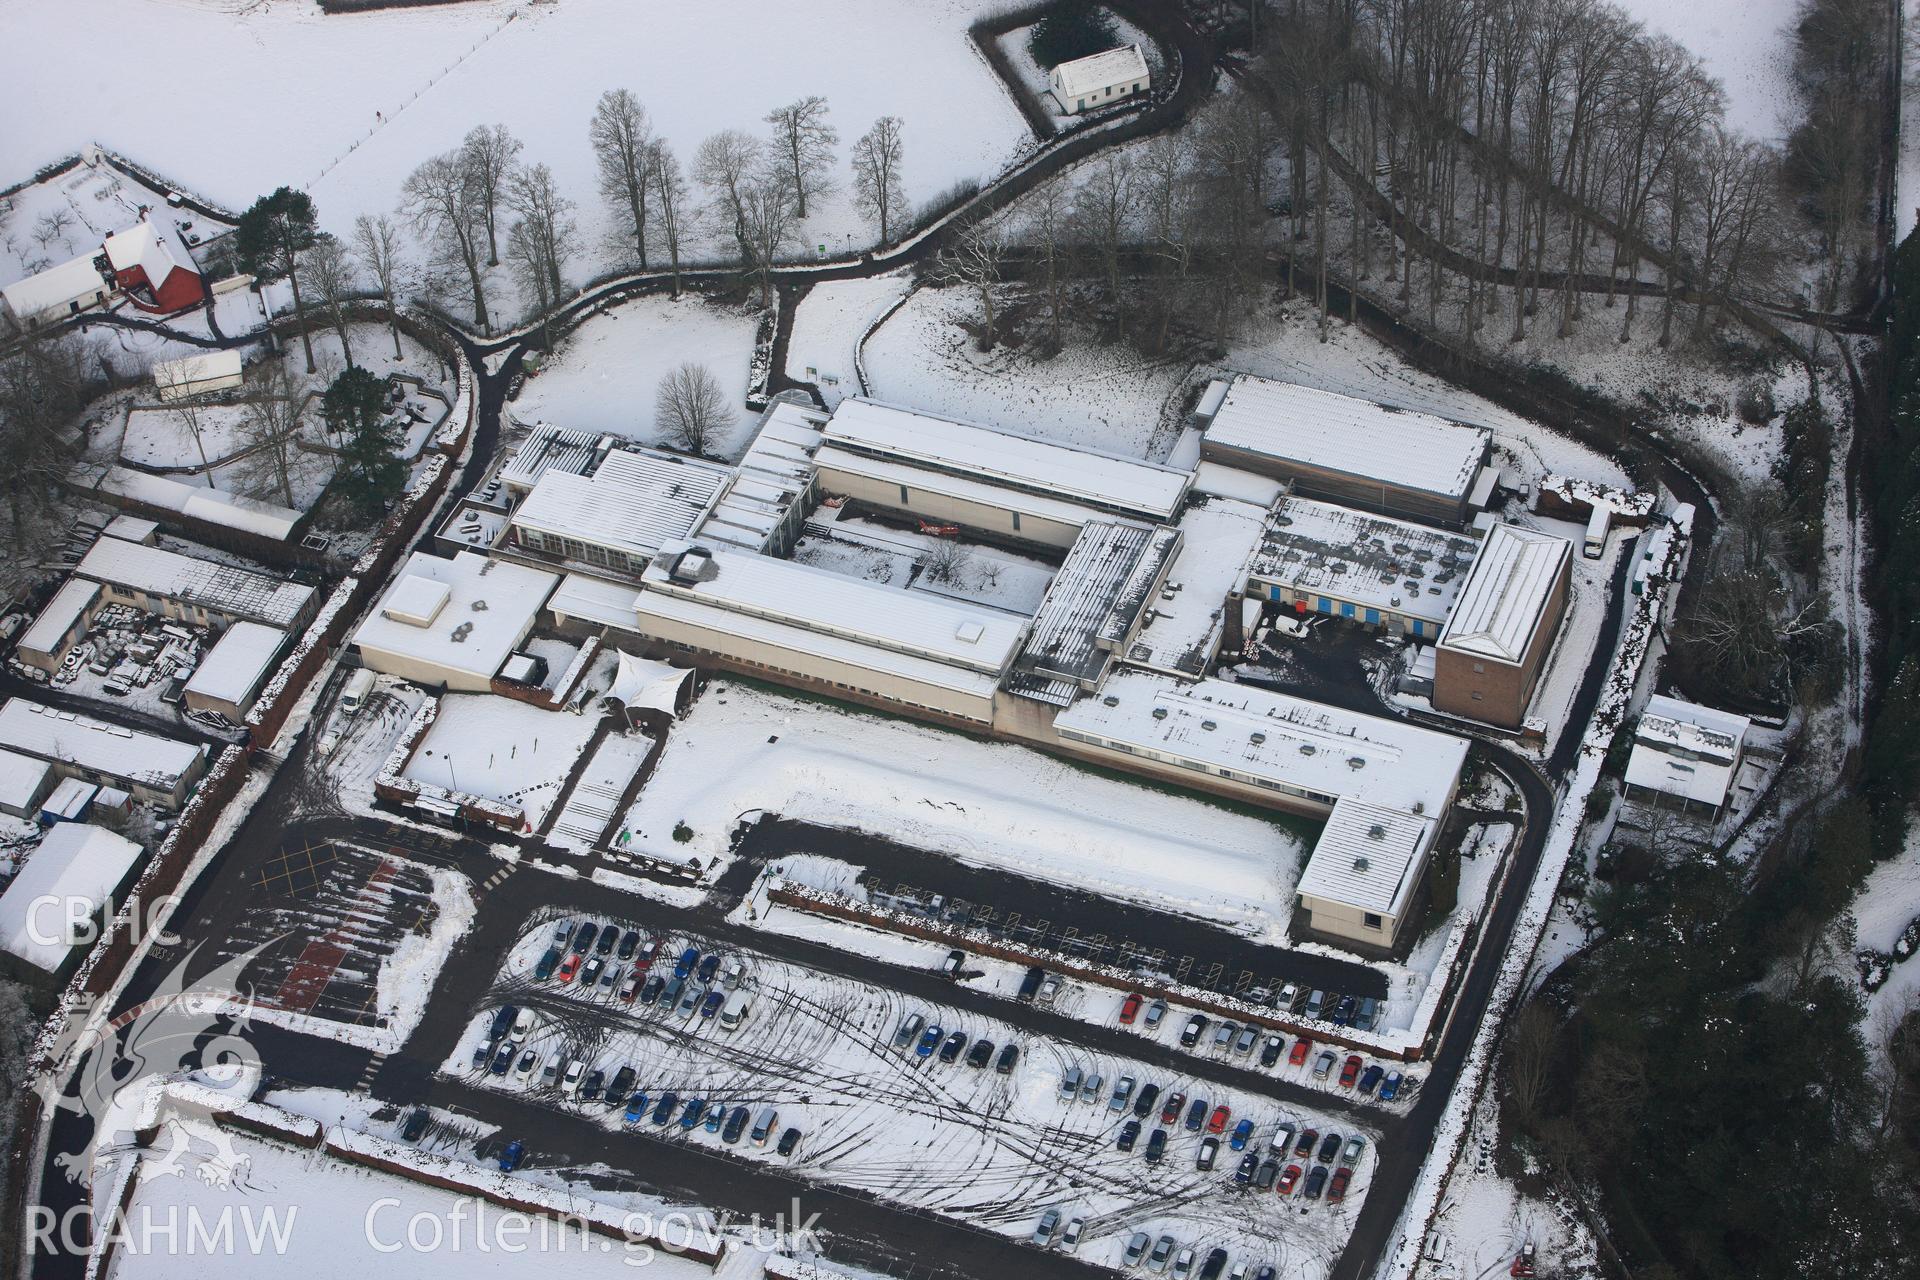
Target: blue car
684, 965
716, 1116
663, 1110
709, 967
1196, 1115
1370, 1078
1390, 1087
929, 1041
510, 1158
1241, 1133
711, 1005
636, 1107
691, 1116
502, 1021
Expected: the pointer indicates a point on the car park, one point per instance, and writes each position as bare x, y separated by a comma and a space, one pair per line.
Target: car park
1316, 1180
1196, 1115
788, 1142
1271, 1049
1309, 1139
736, 1125
1289, 1179
1196, 1026
1176, 1101
950, 1051
1156, 1013
510, 1158
416, 1125
1217, 1122
584, 936
663, 1109
1249, 1164
909, 1028
1122, 1094
1049, 1223
1162, 1251
1137, 1245
1129, 1134
1143, 1105
1390, 1087
1209, 1150
1350, 1071
980, 1054
1248, 1037
1282, 1138
591, 1086
929, 1041
1070, 1236
1323, 1065
1242, 1134
1329, 1148
1268, 1171
1008, 1057
1301, 1048
1370, 1078
1156, 1146
1337, 1188
1090, 1087
1130, 1008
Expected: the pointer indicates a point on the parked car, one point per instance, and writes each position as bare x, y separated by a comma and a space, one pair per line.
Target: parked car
1343, 1011
1129, 1134
715, 1117
568, 967
1049, 1223
1223, 1034
1248, 1037
789, 1141
1162, 1250
691, 997
1216, 1263
510, 1158
1049, 988
1130, 1008
763, 1126
547, 964
529, 1063
980, 1054
636, 1107
1070, 1082
591, 1086
502, 1059
1090, 1087
1301, 1048
1122, 1094
1242, 1134
631, 987
1390, 1087
550, 1074
1367, 1014
644, 958
1329, 1148
629, 943
1137, 1245
1008, 1057
1143, 1105
663, 1109
1249, 1165
416, 1125
1271, 1050
1289, 1179
1323, 1065
1196, 1026
1176, 1101
584, 936
650, 990
1030, 984
502, 1021
1309, 1139
622, 1082
1337, 1188
691, 1113
609, 937
1217, 1122
909, 1028
1156, 1013
685, 964
1182, 1265
1316, 1002
1209, 1148
590, 972
950, 1051
1350, 1155
1350, 1071
1156, 1146
709, 967
711, 1005
1264, 1176
481, 1052
951, 965
1196, 1115
610, 977
1282, 1139
1315, 1181
1070, 1236
1370, 1078
929, 1041
736, 1125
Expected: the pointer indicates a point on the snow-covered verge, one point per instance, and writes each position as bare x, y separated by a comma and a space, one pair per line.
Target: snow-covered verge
829, 325
1886, 918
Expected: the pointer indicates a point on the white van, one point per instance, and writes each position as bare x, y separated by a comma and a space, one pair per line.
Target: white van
354, 696
736, 1010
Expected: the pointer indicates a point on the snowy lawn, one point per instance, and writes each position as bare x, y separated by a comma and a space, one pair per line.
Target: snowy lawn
995, 1150
828, 326
606, 373
501, 749
63, 217
744, 749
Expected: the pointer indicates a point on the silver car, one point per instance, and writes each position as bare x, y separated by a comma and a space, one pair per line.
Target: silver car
1049, 1223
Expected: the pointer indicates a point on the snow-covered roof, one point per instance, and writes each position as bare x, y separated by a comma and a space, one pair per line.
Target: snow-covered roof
1125, 486
552, 449
634, 502
156, 248
1682, 748
207, 583
1412, 569
53, 734
70, 799
77, 280
1332, 432
1089, 75
1033, 506
131, 528
1187, 616
1095, 598
238, 664
182, 376
1368, 857
1273, 739
1504, 599
52, 623
215, 506
1576, 492
771, 476
644, 683
76, 862
484, 608
21, 778
595, 600
825, 603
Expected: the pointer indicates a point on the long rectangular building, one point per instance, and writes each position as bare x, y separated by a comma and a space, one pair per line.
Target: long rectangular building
158, 770
1350, 451
619, 515
1319, 558
199, 591
1502, 626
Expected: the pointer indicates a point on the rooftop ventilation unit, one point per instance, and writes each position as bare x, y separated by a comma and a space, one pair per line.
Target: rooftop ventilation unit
1376, 832
1361, 865
1159, 713
1111, 701
1256, 738
1208, 724
1356, 762
1307, 749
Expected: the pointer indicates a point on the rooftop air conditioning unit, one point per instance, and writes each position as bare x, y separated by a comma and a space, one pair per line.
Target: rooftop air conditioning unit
1159, 713
1361, 864
1257, 738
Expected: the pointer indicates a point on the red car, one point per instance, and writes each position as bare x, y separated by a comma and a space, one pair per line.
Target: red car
1337, 1189
1289, 1179
644, 960
1217, 1122
1308, 1140
1130, 1009
1301, 1048
1350, 1072
1171, 1112
568, 967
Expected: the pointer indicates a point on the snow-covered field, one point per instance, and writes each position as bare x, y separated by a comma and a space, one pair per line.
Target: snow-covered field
989, 804
495, 747
606, 372
1745, 44
996, 1150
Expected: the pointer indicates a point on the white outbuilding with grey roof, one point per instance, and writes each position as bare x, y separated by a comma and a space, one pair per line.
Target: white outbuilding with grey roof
197, 374
1100, 79
453, 622
232, 672
57, 627
69, 880
1360, 879
156, 769
1686, 756
50, 296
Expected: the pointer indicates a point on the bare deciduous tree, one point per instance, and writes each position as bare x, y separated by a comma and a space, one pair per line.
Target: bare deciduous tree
766, 226
1047, 211
377, 243
1529, 1059
689, 408
328, 271
270, 426
52, 226
669, 202
804, 141
1103, 213
447, 209
878, 156
488, 157
972, 262
947, 561
545, 223
725, 166
623, 145
43, 385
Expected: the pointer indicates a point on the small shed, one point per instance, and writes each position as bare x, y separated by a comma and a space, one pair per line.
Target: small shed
196, 375
1100, 79
68, 802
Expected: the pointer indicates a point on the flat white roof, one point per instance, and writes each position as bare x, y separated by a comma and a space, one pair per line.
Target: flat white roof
832, 604
1689, 725
1096, 71
1317, 748
1367, 857
416, 599
207, 583
76, 862
1373, 561
635, 501
215, 506
54, 621
1504, 599
1189, 614
1332, 432
1099, 479
488, 607
595, 600
236, 666
131, 528
21, 778
77, 280
1684, 749
1032, 505
52, 734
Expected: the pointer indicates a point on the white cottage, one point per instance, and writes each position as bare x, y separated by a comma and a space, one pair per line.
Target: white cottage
1099, 79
